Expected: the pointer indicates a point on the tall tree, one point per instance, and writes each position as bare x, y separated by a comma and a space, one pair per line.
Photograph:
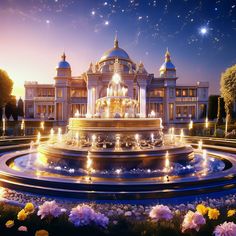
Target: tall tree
11, 108
228, 89
212, 108
6, 85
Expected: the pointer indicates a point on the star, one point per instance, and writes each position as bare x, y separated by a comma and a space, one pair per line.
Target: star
48, 22
93, 13
106, 22
203, 30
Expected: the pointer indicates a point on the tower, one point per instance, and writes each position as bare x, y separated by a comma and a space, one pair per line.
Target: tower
62, 89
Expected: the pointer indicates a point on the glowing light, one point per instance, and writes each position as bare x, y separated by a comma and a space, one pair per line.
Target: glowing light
93, 13
77, 138
42, 125
152, 137
48, 22
203, 30
106, 22
116, 78
200, 145
153, 114
22, 126
77, 114
3, 126
41, 159
190, 126
59, 135
89, 163
206, 123
181, 135
38, 138
118, 171
167, 162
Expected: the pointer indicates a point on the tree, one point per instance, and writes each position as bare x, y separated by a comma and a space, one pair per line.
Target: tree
228, 88
221, 111
11, 109
212, 107
20, 107
6, 85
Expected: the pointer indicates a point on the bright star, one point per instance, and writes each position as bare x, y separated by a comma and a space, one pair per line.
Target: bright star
48, 21
93, 13
107, 22
203, 30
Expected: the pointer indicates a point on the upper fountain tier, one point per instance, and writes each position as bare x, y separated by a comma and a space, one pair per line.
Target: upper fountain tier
117, 104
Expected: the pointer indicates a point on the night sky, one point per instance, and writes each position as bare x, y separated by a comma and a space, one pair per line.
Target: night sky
200, 35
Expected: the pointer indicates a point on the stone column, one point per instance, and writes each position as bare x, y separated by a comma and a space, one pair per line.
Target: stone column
142, 96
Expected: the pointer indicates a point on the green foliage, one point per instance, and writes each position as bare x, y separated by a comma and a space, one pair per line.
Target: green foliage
212, 106
228, 88
6, 85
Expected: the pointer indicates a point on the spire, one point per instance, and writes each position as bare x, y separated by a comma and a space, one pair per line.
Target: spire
116, 43
167, 55
63, 57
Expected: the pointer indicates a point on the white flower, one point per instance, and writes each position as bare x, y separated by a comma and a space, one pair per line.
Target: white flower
227, 228
193, 221
49, 209
161, 212
85, 215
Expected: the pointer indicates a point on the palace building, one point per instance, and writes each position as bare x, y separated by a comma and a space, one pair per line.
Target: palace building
156, 96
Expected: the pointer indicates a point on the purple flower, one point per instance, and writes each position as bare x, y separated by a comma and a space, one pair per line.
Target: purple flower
49, 209
225, 229
85, 215
160, 212
193, 220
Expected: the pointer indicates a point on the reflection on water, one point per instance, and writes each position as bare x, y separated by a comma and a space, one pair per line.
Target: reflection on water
36, 164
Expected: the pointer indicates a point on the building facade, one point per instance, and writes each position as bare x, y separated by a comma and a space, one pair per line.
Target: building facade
156, 95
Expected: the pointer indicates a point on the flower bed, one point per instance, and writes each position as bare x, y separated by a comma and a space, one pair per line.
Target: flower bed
50, 219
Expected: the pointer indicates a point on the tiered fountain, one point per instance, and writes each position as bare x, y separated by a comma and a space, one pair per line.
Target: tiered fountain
116, 154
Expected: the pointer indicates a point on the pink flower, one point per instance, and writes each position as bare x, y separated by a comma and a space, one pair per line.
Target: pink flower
225, 229
49, 209
23, 229
85, 215
193, 220
160, 212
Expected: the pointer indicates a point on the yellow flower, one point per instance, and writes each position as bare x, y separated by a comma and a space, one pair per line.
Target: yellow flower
231, 213
22, 215
202, 209
42, 232
213, 214
29, 207
10, 223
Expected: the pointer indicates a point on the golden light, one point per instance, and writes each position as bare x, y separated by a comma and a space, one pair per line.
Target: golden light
77, 114
190, 124
116, 78
42, 125
206, 123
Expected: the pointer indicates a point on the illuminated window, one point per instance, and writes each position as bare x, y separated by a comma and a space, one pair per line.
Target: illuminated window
59, 92
192, 92
184, 92
178, 92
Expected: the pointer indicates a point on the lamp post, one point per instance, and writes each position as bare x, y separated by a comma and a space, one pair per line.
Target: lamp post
22, 126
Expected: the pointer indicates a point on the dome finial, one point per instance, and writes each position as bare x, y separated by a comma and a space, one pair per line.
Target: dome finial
167, 55
116, 43
63, 57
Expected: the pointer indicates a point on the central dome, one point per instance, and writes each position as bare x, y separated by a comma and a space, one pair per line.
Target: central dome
115, 52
